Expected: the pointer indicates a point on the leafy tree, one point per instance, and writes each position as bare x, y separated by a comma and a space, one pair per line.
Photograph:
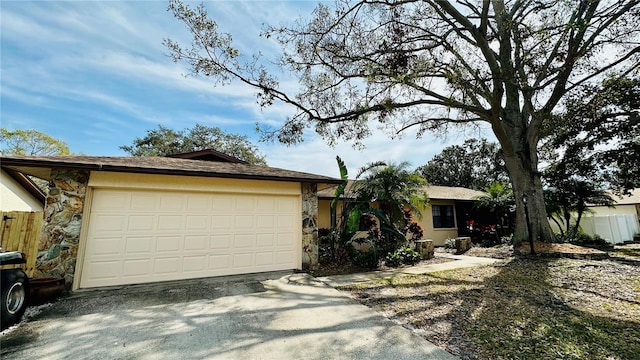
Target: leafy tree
498, 198
431, 65
476, 164
597, 137
164, 141
574, 195
30, 142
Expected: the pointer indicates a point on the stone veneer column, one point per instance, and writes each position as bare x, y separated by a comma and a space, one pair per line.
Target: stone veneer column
309, 226
58, 245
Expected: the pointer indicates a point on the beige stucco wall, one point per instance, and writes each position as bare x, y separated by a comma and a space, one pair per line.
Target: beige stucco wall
439, 236
13, 197
324, 214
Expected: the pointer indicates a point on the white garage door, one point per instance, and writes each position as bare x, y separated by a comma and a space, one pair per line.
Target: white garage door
146, 236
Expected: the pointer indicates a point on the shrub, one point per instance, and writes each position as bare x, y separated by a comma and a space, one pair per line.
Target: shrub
411, 227
582, 239
450, 244
366, 259
402, 256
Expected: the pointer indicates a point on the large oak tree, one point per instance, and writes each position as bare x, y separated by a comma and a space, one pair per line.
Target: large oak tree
432, 65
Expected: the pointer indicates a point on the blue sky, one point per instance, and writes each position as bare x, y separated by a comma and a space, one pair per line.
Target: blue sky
96, 75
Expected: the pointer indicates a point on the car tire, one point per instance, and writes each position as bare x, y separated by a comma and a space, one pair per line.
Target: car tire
14, 296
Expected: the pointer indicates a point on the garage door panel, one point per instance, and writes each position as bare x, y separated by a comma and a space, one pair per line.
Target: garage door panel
285, 239
286, 205
137, 245
265, 222
245, 203
171, 202
170, 222
285, 222
220, 242
243, 241
198, 203
117, 201
141, 223
223, 203
113, 223
143, 201
219, 262
169, 265
195, 243
244, 222
194, 263
136, 267
220, 222
242, 261
107, 245
283, 257
265, 240
197, 222
140, 236
168, 243
105, 270
265, 258
267, 203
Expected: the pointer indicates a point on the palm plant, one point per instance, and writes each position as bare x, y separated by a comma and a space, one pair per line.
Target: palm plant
395, 189
497, 199
575, 195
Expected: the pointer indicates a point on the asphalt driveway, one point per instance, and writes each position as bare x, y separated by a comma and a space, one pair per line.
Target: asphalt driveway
267, 316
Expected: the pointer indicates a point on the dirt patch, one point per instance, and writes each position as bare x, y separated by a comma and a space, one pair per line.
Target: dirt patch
495, 252
528, 308
563, 250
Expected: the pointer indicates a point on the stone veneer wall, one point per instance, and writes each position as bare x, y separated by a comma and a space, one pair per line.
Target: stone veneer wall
309, 226
58, 245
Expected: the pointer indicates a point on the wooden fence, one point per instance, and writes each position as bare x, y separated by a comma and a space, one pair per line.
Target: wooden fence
20, 232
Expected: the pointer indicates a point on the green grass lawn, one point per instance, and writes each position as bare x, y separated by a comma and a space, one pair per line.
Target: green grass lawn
520, 309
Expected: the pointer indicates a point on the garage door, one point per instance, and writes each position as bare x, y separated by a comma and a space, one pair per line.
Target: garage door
139, 236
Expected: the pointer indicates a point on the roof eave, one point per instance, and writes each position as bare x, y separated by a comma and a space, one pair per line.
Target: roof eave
8, 163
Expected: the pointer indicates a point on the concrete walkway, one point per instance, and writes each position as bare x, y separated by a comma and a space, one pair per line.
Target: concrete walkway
460, 261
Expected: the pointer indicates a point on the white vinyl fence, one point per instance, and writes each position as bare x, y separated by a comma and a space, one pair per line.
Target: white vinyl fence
613, 228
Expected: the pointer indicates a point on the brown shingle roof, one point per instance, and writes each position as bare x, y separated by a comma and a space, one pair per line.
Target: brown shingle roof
452, 193
40, 166
208, 155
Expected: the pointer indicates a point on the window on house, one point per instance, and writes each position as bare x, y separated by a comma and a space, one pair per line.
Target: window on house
443, 216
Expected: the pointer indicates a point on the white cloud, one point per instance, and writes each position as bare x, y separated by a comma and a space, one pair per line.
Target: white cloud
96, 75
315, 156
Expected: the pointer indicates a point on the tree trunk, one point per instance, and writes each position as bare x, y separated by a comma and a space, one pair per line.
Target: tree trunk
519, 148
567, 218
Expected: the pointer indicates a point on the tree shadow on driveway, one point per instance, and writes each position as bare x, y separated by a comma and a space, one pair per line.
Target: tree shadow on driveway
268, 317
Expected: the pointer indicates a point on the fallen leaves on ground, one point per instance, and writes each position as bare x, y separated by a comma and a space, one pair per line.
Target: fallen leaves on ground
537, 308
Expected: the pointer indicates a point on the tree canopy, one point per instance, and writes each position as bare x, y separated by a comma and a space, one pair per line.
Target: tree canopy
597, 136
476, 164
30, 142
164, 141
431, 65
573, 195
